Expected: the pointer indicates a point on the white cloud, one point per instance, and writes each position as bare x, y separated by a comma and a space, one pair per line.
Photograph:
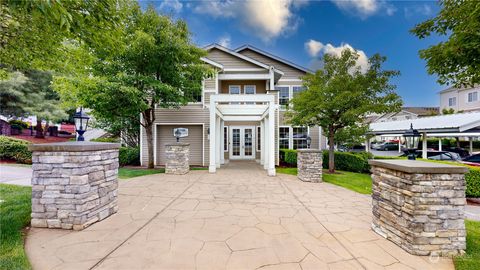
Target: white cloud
316, 48
174, 6
266, 19
225, 41
365, 8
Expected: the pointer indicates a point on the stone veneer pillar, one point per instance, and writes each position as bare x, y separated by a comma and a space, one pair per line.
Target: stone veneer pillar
309, 165
419, 205
177, 158
74, 184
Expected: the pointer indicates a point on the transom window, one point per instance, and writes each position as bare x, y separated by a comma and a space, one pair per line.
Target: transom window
472, 97
452, 101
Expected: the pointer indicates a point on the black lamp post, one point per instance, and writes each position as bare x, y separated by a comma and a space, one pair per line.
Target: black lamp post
177, 134
412, 136
81, 123
309, 142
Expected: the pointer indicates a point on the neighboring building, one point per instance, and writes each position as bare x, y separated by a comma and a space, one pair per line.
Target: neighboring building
250, 92
460, 100
404, 114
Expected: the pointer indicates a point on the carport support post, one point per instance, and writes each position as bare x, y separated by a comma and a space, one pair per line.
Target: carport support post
367, 145
424, 145
440, 144
222, 142
399, 144
212, 168
271, 140
471, 144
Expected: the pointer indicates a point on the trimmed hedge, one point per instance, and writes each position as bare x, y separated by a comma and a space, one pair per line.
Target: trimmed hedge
15, 149
129, 156
106, 140
289, 156
346, 161
472, 179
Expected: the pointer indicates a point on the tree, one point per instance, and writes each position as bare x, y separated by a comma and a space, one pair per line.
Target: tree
30, 93
448, 111
158, 66
457, 60
339, 96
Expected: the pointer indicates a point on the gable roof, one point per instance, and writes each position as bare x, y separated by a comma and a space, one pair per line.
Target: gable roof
211, 62
241, 56
274, 57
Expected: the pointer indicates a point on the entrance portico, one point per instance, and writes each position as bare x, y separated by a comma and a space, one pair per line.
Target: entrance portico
241, 108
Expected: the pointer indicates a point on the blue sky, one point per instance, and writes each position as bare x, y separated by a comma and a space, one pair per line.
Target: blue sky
302, 31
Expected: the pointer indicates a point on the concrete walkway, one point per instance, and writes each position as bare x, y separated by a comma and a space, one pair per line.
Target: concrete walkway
238, 218
16, 174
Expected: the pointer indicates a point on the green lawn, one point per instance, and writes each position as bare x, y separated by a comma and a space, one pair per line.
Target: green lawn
15, 205
471, 260
125, 173
358, 182
128, 172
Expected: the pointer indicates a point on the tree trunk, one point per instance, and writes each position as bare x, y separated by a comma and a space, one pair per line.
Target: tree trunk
45, 131
39, 130
457, 140
331, 151
149, 132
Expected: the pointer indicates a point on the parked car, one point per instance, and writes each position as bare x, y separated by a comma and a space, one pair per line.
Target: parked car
462, 152
473, 160
438, 155
374, 145
386, 146
356, 148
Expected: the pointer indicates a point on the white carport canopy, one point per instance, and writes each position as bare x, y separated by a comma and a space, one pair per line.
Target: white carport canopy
451, 125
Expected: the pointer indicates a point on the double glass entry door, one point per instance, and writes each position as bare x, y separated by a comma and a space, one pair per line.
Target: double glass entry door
242, 142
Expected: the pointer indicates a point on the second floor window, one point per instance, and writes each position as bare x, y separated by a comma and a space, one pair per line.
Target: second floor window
249, 89
452, 101
296, 90
472, 97
283, 95
234, 89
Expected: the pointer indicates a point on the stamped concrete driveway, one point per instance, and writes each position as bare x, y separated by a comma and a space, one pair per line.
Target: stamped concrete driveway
238, 218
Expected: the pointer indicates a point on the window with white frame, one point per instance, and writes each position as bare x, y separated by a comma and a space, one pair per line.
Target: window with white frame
259, 139
452, 101
284, 137
296, 90
283, 95
299, 137
472, 97
249, 89
225, 139
234, 89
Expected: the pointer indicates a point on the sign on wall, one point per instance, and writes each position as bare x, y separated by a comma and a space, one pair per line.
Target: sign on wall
183, 132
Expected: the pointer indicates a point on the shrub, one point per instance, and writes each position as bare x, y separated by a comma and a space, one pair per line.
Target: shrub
351, 162
129, 156
18, 124
288, 156
472, 179
15, 149
107, 140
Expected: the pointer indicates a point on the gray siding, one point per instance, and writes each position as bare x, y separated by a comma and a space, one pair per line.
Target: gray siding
289, 71
209, 84
228, 60
165, 135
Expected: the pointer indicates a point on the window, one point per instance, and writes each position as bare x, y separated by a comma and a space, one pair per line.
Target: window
234, 89
283, 95
284, 133
300, 135
225, 139
249, 89
259, 140
472, 97
452, 101
296, 90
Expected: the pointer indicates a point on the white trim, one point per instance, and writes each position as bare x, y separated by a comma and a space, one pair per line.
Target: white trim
246, 58
286, 62
184, 123
290, 80
211, 62
242, 69
141, 140
216, 82
245, 76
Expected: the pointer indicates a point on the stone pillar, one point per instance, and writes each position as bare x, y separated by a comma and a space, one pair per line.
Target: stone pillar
419, 205
74, 184
309, 164
178, 157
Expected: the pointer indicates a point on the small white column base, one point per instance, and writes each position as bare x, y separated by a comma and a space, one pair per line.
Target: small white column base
212, 169
272, 172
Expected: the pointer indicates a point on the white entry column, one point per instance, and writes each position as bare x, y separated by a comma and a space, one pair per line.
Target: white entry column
271, 139
266, 144
217, 142
222, 142
262, 142
212, 168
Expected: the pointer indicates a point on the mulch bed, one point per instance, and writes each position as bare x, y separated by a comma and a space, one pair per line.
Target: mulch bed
47, 139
